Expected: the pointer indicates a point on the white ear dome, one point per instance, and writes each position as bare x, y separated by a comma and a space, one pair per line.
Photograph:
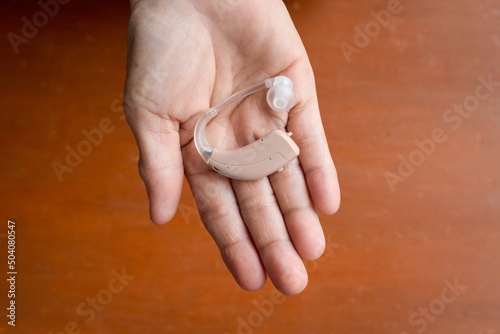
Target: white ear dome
281, 96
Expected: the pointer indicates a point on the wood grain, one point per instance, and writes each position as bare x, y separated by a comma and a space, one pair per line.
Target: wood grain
392, 252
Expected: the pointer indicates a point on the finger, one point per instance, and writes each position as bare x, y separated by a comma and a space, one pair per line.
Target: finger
298, 211
305, 122
160, 163
263, 218
220, 214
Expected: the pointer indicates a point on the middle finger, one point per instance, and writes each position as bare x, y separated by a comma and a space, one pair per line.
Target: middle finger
262, 215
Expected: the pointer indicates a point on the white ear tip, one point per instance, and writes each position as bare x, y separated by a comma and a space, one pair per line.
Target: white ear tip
281, 96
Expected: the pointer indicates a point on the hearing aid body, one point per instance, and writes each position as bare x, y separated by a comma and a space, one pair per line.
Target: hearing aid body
262, 157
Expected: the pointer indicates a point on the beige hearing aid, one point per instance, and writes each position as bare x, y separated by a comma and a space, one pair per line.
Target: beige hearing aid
264, 156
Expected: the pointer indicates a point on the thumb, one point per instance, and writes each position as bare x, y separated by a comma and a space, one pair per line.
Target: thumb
160, 166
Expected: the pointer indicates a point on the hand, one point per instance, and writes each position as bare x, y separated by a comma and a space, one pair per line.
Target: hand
185, 56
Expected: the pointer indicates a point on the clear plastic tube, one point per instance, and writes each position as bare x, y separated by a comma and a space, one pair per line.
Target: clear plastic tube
200, 136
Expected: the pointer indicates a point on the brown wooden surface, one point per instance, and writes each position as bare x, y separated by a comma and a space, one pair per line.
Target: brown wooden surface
390, 252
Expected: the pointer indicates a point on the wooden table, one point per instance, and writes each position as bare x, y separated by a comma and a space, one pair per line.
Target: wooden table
414, 248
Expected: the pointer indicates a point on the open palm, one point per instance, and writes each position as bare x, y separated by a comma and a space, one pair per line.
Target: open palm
185, 56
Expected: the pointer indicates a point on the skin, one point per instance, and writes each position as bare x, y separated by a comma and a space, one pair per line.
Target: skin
185, 56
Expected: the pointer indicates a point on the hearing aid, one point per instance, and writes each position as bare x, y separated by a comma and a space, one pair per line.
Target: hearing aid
262, 157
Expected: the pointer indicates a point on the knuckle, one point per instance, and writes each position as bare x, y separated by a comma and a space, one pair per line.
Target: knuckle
258, 202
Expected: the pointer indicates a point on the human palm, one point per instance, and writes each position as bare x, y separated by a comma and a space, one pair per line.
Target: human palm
185, 56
